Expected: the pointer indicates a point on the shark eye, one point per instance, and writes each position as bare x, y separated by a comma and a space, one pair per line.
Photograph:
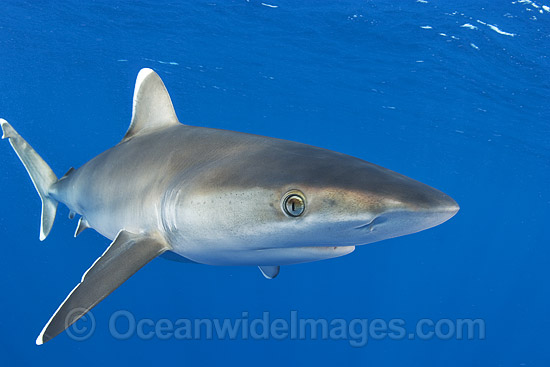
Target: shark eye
294, 203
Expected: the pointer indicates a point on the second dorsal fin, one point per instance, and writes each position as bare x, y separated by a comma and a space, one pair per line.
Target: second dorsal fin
152, 107
71, 170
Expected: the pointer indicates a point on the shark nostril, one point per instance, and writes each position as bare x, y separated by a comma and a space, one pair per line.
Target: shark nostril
371, 225
365, 226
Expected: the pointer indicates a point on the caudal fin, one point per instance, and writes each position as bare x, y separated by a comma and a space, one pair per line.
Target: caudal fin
41, 174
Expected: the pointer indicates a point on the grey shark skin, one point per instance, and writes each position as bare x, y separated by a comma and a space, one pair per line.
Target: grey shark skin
221, 198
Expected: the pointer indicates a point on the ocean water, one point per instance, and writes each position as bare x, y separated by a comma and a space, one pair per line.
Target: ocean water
452, 93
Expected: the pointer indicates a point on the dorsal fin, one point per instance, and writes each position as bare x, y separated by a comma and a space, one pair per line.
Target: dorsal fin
152, 105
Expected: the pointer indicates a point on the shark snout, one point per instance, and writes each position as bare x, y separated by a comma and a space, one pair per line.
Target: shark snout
450, 207
408, 218
403, 222
411, 208
438, 214
426, 207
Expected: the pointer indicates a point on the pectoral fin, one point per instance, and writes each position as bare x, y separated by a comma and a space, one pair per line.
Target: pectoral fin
126, 255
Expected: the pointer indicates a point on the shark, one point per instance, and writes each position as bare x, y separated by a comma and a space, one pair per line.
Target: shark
218, 197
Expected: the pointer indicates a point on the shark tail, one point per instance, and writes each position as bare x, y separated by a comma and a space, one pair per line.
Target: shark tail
41, 174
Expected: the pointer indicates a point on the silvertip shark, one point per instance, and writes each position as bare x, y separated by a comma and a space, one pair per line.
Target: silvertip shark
218, 197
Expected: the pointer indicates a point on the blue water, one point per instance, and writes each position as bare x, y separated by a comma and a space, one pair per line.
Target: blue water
454, 94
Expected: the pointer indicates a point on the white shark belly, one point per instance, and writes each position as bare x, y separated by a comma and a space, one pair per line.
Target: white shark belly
213, 254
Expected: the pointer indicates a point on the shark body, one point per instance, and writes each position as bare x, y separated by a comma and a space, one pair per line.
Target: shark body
221, 198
